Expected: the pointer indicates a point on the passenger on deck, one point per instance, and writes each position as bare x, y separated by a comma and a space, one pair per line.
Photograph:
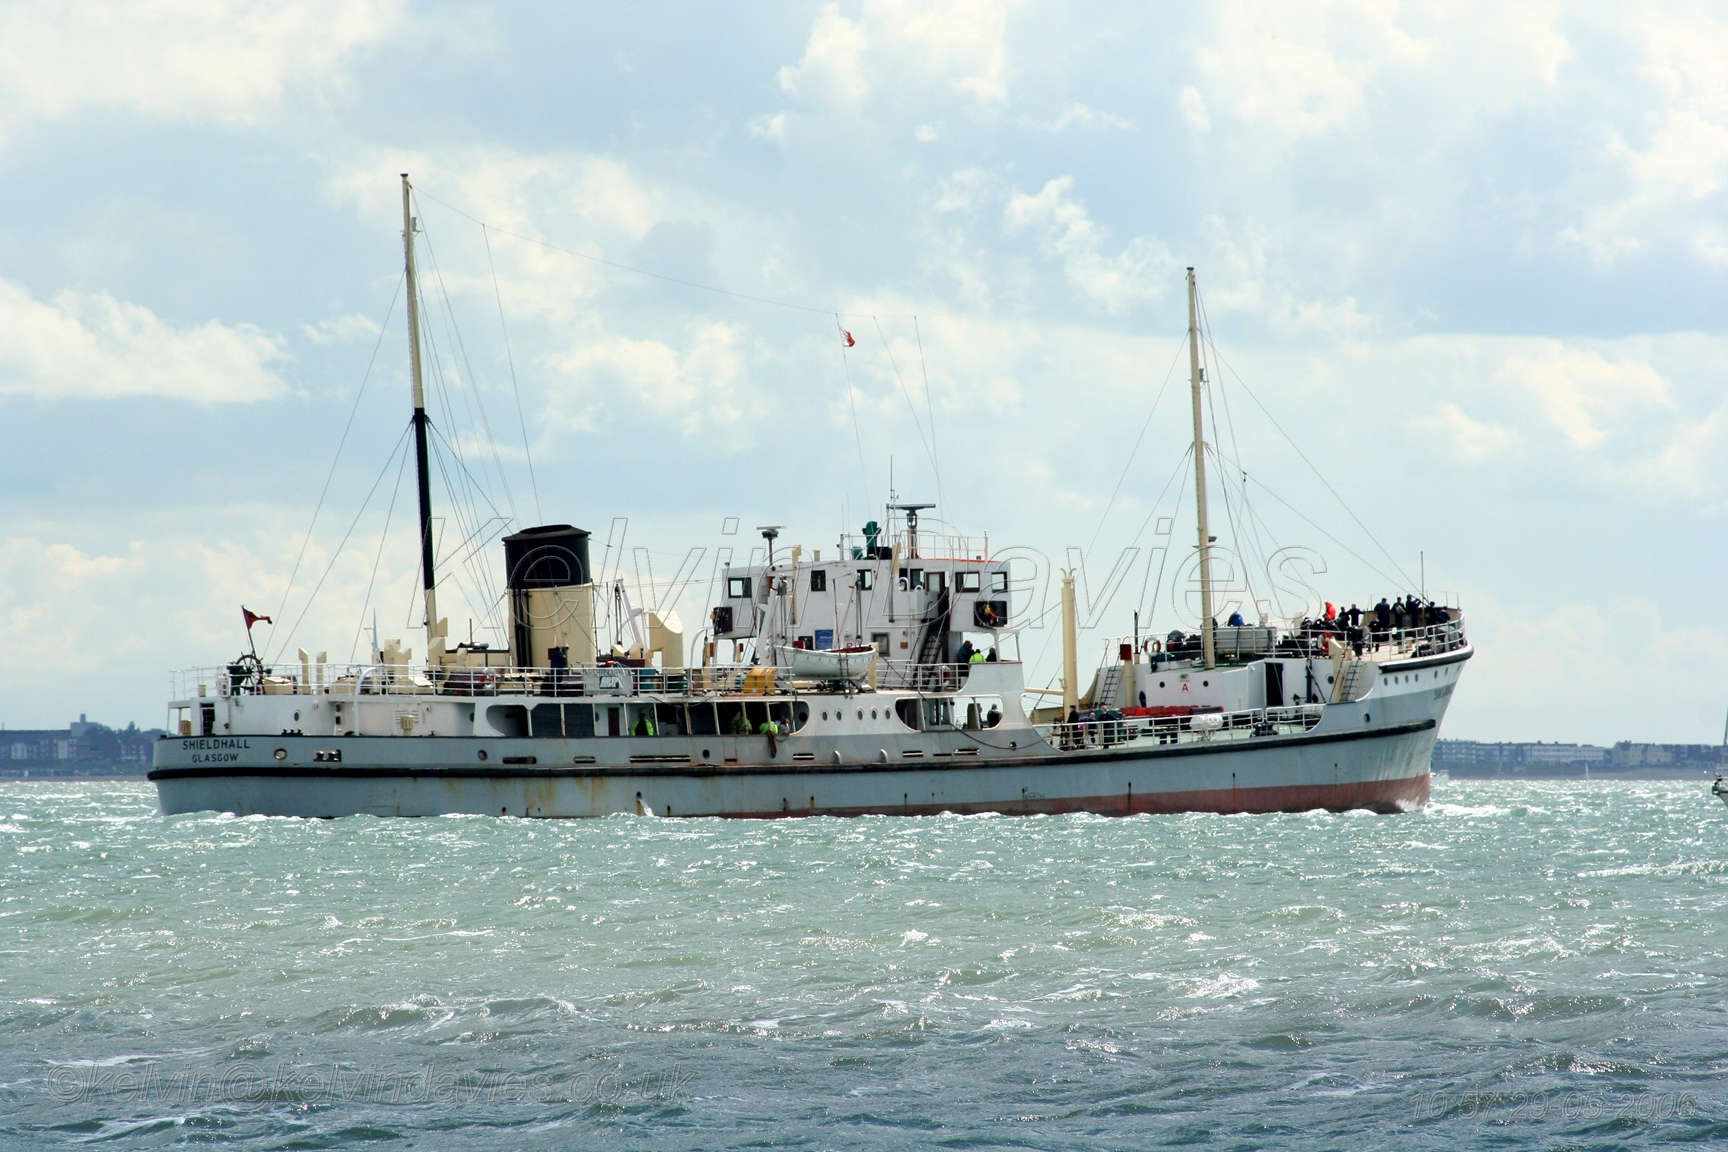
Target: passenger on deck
1355, 615
1383, 613
993, 717
1236, 620
991, 658
644, 726
964, 656
975, 658
740, 726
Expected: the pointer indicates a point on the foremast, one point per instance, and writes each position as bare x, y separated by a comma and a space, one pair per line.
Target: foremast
428, 574
1197, 377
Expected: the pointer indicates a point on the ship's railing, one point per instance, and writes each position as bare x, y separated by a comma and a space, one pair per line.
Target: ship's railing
1199, 727
585, 680
931, 545
1309, 638
1381, 645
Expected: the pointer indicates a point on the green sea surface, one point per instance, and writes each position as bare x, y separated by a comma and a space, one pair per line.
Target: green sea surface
1524, 964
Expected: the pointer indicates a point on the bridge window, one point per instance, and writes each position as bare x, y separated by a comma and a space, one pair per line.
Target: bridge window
738, 587
818, 580
969, 581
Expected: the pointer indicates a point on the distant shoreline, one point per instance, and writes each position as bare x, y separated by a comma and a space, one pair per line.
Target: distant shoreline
1574, 772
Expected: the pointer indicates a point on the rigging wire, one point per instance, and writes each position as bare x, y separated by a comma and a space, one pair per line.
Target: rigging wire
456, 494
335, 555
1318, 474
1179, 472
473, 381
904, 391
930, 411
852, 400
331, 475
1369, 564
371, 581
480, 573
1134, 451
1250, 540
510, 358
1231, 515
547, 244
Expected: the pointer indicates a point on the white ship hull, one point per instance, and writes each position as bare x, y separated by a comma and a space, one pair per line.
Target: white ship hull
1368, 753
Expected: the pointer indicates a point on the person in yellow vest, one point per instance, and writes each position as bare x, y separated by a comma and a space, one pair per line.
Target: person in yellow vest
976, 658
773, 731
644, 726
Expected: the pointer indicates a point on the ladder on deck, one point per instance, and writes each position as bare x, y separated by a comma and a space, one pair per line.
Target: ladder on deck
1348, 682
1108, 683
931, 644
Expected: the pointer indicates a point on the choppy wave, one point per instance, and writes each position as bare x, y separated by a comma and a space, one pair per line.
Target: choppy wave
1297, 981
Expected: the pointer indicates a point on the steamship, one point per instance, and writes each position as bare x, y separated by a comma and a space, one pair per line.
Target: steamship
839, 685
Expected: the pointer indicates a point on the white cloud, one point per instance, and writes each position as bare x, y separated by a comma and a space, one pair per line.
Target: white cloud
595, 205
523, 192
1533, 641
90, 344
1140, 271
340, 329
905, 47
1302, 71
927, 133
832, 68
1682, 164
769, 127
188, 60
1078, 115
1194, 109
1581, 389
1471, 439
698, 390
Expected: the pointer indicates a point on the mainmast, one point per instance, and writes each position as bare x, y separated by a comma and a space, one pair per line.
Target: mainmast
428, 576
1196, 377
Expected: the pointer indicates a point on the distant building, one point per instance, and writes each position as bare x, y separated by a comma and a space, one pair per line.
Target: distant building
82, 748
1475, 758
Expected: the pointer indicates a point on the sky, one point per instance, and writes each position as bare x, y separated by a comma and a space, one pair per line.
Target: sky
1463, 271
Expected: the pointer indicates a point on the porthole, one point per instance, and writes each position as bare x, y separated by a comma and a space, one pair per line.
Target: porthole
824, 715
872, 713
482, 753
860, 713
281, 753
296, 715
1205, 683
1160, 683
1328, 679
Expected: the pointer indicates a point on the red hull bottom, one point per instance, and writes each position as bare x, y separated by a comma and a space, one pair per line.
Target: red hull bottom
1383, 796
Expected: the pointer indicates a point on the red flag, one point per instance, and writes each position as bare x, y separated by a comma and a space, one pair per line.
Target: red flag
847, 336
252, 619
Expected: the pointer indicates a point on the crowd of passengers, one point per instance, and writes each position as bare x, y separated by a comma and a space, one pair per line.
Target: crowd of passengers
1385, 621
1391, 619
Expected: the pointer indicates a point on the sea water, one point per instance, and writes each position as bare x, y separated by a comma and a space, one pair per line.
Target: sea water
1524, 963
